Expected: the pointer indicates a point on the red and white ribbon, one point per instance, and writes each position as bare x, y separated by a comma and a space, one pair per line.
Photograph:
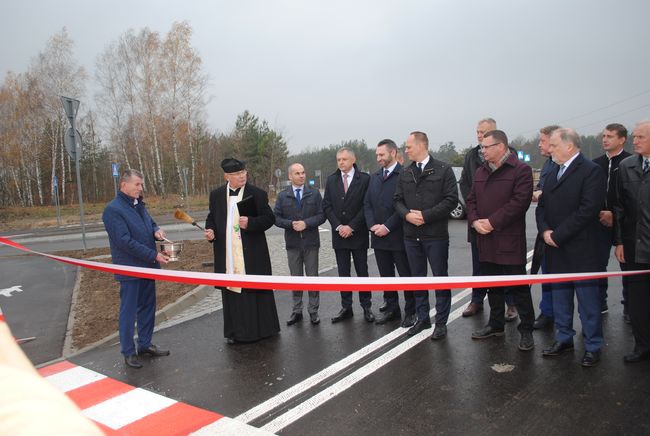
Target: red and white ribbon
324, 283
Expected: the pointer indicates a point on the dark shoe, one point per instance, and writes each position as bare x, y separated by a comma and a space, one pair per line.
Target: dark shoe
636, 356
472, 309
153, 351
314, 319
420, 324
391, 315
342, 315
557, 348
230, 341
368, 315
543, 322
383, 307
409, 321
486, 332
294, 318
626, 319
439, 332
590, 359
133, 361
526, 343
511, 314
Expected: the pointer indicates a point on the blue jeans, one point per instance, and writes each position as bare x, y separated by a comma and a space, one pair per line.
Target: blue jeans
588, 295
137, 303
436, 252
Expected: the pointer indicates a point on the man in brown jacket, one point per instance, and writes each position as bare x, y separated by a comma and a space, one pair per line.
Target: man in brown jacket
496, 209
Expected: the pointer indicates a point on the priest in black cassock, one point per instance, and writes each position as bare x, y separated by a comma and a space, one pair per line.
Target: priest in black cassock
239, 216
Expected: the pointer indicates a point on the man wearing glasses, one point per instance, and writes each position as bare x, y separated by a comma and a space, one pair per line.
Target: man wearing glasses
496, 209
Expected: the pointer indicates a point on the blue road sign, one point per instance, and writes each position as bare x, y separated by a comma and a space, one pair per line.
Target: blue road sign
115, 169
520, 155
527, 158
312, 182
55, 181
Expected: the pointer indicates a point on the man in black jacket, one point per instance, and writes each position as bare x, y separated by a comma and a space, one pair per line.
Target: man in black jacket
632, 237
386, 234
298, 210
343, 206
426, 193
614, 137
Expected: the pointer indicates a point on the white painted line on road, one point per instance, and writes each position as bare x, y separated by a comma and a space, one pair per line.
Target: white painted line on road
348, 381
74, 378
317, 378
226, 426
127, 408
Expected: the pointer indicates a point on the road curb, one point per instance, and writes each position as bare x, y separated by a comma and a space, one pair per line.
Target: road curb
172, 309
67, 342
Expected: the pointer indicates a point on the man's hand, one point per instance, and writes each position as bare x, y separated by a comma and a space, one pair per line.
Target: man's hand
415, 217
381, 230
619, 253
345, 231
547, 235
209, 234
536, 195
606, 218
162, 258
298, 226
243, 222
483, 226
160, 235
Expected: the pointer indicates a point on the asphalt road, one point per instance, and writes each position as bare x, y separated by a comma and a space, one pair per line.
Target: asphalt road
359, 378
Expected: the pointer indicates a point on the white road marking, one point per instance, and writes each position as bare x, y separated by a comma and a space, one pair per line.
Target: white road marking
295, 413
227, 425
74, 378
7, 291
127, 408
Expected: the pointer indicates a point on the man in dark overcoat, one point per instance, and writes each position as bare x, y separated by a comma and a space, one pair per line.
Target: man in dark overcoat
496, 208
240, 247
386, 233
567, 219
343, 206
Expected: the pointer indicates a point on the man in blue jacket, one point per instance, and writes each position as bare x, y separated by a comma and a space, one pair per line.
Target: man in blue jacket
386, 234
132, 234
299, 212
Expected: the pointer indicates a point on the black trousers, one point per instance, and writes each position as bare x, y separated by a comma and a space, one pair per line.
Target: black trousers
496, 297
387, 261
360, 259
638, 305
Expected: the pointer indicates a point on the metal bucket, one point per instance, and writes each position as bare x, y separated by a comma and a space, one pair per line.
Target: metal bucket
172, 249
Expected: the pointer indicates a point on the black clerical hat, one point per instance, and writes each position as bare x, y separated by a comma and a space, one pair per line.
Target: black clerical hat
231, 165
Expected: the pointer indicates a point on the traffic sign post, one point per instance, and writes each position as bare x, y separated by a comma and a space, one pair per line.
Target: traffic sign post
115, 170
55, 186
71, 107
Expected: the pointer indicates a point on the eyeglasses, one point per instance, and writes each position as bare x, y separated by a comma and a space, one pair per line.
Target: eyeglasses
483, 147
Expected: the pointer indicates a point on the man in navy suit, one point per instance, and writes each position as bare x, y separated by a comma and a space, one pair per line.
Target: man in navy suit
386, 234
567, 219
343, 206
132, 235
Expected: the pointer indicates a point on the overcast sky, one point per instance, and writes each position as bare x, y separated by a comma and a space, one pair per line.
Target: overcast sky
322, 72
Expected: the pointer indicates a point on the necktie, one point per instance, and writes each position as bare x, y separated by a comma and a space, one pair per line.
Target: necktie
560, 172
419, 168
298, 198
385, 174
345, 182
646, 165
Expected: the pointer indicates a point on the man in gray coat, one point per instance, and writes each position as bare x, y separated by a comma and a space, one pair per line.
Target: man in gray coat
299, 212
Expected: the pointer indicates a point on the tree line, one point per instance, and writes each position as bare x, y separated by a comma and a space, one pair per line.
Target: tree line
148, 112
